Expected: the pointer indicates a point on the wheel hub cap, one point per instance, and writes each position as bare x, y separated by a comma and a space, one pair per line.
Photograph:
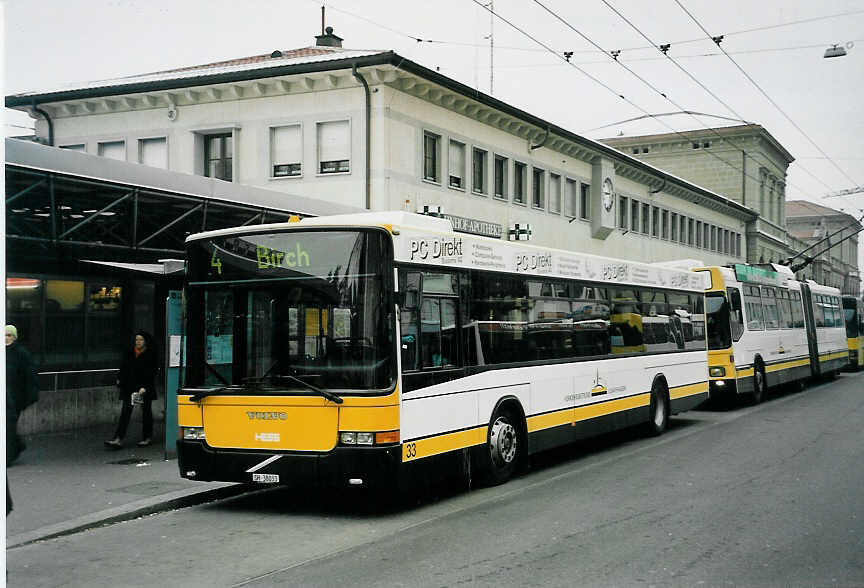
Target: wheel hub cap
502, 442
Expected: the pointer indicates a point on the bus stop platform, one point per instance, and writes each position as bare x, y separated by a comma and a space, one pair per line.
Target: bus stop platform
65, 483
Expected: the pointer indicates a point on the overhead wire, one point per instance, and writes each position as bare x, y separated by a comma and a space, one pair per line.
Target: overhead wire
765, 94
663, 94
703, 86
531, 49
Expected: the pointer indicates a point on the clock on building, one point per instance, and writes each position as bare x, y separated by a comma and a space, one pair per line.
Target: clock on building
608, 194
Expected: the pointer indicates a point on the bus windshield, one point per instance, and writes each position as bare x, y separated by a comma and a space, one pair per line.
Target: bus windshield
717, 321
267, 309
850, 312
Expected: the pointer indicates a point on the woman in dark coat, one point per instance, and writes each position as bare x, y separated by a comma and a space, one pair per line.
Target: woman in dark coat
137, 378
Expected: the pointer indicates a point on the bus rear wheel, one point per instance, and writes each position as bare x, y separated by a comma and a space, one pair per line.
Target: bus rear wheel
504, 448
659, 410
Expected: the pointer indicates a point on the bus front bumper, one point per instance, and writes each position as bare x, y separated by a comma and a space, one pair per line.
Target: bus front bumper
722, 387
344, 466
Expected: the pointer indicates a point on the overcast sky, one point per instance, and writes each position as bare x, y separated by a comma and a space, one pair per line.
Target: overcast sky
53, 43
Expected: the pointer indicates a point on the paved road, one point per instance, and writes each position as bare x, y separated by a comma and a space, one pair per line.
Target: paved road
771, 495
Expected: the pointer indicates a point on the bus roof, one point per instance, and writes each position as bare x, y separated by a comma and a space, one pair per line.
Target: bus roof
427, 240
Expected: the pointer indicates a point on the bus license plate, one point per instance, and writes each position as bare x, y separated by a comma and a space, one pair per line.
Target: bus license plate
266, 478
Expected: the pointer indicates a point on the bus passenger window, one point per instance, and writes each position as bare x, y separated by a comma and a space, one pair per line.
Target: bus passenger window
430, 321
753, 309
736, 315
410, 287
626, 328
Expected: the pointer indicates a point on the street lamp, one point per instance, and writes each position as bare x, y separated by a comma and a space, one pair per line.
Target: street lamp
834, 51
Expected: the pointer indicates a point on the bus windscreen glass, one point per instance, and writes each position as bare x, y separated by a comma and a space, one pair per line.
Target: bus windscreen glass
268, 309
717, 321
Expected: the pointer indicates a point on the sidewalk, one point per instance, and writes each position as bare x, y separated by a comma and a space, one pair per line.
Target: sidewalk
71, 482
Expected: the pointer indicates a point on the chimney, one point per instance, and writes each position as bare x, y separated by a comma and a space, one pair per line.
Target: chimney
328, 39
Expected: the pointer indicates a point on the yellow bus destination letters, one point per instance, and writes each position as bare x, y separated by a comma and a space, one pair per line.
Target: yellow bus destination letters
273, 258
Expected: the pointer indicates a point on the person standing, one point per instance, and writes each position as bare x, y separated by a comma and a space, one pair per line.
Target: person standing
22, 390
137, 382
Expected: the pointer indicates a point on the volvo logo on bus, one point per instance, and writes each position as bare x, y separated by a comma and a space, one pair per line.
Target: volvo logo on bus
267, 416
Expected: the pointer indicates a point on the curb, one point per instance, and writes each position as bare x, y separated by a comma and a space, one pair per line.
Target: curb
133, 510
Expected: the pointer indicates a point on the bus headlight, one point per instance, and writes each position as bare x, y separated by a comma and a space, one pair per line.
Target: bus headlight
192, 433
717, 372
368, 437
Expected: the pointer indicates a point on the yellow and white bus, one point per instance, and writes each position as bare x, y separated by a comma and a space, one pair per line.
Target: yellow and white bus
766, 329
853, 313
342, 350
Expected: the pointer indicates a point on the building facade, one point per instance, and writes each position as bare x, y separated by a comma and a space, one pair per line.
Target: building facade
744, 163
830, 238
372, 130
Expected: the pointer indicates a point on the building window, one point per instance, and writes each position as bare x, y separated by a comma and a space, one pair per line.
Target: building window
478, 165
81, 147
500, 177
286, 151
737, 244
622, 212
585, 201
456, 170
655, 221
538, 188
645, 150
572, 199
153, 152
691, 240
635, 151
634, 216
695, 145
555, 193
683, 232
673, 227
519, 178
431, 157
706, 144
219, 156
113, 150
334, 147
664, 224
698, 234
646, 217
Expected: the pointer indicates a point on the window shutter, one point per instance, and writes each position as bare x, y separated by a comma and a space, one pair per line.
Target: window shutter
333, 141
287, 145
113, 150
154, 152
457, 161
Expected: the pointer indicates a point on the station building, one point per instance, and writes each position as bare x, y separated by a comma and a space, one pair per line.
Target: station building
356, 130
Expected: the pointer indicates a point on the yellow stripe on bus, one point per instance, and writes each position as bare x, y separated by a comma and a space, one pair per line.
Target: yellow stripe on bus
438, 444
788, 364
836, 355
744, 373
443, 443
689, 390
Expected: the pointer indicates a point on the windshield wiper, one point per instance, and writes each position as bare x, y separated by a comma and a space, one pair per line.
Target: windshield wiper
328, 395
224, 390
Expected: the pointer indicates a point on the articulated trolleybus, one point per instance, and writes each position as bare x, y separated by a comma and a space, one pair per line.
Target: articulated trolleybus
766, 329
853, 310
342, 350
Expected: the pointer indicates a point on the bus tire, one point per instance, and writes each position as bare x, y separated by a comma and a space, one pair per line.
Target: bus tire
659, 409
760, 383
505, 446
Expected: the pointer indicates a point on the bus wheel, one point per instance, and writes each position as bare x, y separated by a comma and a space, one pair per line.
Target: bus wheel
760, 384
659, 409
504, 448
